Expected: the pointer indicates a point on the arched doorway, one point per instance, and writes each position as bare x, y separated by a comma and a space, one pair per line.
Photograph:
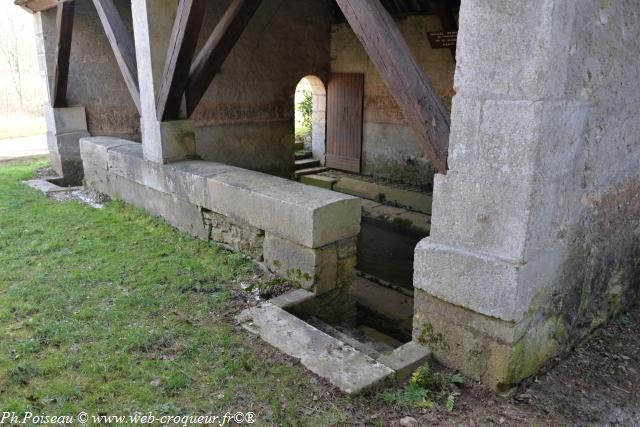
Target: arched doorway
310, 121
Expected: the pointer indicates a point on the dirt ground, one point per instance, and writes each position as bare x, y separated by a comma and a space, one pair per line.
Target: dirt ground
597, 384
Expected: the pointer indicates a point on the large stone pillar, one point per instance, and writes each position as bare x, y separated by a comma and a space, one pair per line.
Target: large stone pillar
535, 230
168, 141
65, 126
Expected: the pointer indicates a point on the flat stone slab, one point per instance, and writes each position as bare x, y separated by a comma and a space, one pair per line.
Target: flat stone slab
309, 216
342, 365
292, 298
413, 200
47, 188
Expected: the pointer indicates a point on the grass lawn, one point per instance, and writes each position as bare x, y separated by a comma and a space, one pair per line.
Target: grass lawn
112, 311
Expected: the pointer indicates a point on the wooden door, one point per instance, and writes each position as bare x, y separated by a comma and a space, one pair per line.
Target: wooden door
345, 98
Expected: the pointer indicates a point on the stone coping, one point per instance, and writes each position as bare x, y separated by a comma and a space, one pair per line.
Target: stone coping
310, 216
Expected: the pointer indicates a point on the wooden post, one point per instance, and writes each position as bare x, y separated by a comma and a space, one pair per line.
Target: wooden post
182, 48
122, 45
407, 82
217, 48
64, 35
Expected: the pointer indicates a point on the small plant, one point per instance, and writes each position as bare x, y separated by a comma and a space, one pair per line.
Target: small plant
305, 107
427, 389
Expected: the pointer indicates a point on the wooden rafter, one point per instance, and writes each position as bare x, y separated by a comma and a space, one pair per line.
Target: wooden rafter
217, 48
64, 35
122, 45
35, 6
182, 48
407, 82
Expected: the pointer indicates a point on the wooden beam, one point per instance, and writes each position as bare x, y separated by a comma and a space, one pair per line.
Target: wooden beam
64, 35
122, 45
35, 6
407, 82
217, 48
182, 48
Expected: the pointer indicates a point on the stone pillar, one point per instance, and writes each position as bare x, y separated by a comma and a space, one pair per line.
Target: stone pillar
522, 261
65, 126
168, 141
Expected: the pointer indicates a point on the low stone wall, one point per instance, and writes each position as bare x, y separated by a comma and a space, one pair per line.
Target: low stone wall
304, 233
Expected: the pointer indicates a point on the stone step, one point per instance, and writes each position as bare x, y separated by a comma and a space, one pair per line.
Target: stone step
307, 163
347, 368
319, 181
303, 154
310, 171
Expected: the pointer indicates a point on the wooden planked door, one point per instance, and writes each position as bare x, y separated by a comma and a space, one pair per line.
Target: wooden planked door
345, 98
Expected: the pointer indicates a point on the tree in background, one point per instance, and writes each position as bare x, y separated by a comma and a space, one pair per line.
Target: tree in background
13, 53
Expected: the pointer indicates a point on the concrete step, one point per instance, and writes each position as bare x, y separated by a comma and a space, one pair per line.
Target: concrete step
307, 163
310, 171
347, 368
303, 154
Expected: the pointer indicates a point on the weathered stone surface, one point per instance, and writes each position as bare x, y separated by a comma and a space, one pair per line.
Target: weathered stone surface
239, 236
306, 215
319, 181
483, 283
342, 365
292, 298
66, 120
374, 191
181, 214
309, 267
95, 149
406, 359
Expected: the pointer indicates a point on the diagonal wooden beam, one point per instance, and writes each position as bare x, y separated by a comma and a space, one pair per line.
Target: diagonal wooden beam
182, 48
64, 35
407, 82
122, 45
217, 48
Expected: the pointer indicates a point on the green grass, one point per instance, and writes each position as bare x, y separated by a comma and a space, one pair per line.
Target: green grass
98, 314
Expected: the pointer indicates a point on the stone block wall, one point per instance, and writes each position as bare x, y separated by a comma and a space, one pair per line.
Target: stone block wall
535, 235
303, 233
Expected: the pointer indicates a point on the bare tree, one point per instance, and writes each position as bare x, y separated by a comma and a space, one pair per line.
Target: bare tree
11, 49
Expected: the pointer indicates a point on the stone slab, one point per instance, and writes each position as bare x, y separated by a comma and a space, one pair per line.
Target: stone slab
303, 214
406, 359
95, 149
389, 303
374, 191
478, 281
318, 181
342, 365
309, 267
292, 298
306, 215
47, 187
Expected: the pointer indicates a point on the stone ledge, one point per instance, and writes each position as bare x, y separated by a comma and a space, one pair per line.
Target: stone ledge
305, 215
